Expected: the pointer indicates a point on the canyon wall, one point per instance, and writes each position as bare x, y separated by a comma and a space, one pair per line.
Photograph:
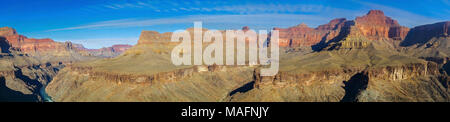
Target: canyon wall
376, 26
22, 76
29, 45
192, 84
424, 33
409, 82
302, 35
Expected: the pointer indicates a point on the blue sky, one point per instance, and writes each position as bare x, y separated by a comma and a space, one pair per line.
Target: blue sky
101, 23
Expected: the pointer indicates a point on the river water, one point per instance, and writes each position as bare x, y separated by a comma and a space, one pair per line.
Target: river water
44, 95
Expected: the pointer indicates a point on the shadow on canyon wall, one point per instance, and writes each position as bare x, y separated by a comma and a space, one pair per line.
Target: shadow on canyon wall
30, 82
4, 45
354, 86
247, 87
9, 95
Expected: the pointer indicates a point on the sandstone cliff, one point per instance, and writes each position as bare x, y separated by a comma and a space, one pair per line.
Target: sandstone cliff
45, 50
374, 28
422, 34
429, 42
302, 35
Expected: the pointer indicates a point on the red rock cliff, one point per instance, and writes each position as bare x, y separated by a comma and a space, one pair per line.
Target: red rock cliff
29, 45
375, 26
422, 34
302, 35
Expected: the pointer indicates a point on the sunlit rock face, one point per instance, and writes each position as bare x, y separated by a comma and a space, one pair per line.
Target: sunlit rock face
29, 45
376, 26
302, 35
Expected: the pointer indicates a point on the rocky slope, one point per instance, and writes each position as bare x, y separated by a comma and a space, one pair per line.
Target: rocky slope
428, 41
22, 76
422, 35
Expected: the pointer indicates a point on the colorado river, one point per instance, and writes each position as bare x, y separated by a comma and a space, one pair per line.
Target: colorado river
44, 95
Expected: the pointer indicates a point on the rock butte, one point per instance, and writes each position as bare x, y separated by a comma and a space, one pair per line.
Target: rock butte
374, 25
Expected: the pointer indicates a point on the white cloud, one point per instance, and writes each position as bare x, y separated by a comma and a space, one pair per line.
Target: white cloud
194, 6
269, 19
274, 8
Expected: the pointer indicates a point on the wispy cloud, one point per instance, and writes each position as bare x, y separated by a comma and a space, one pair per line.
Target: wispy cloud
269, 14
271, 8
94, 25
208, 6
269, 19
447, 2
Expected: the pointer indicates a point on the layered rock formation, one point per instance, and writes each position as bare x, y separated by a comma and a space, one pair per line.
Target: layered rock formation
109, 52
29, 45
422, 34
176, 86
429, 42
22, 76
409, 82
302, 35
148, 37
374, 28
45, 50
